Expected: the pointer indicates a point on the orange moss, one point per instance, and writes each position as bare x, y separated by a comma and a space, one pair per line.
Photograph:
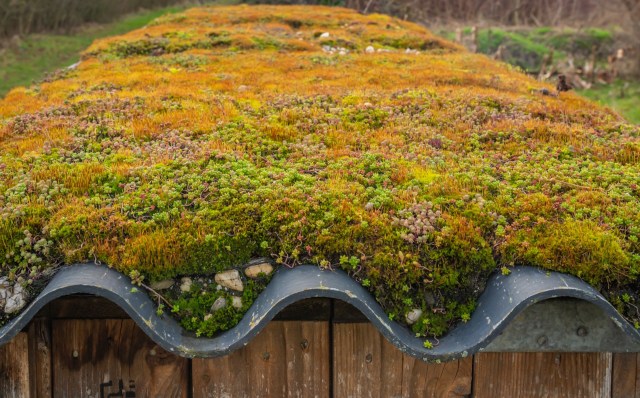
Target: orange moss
225, 133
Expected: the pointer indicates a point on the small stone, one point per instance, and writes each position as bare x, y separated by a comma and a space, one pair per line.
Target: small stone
207, 317
4, 290
15, 300
17, 289
242, 88
185, 286
3, 297
163, 285
254, 271
325, 35
544, 91
369, 206
219, 304
230, 279
236, 302
413, 316
14, 304
370, 50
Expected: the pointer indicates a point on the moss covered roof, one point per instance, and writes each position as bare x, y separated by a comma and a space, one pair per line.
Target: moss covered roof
314, 135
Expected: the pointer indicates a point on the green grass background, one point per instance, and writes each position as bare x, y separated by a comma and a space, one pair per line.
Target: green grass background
29, 59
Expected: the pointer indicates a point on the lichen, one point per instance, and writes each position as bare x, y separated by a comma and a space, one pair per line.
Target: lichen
224, 134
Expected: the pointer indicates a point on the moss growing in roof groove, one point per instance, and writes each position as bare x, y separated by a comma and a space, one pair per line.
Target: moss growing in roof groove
224, 134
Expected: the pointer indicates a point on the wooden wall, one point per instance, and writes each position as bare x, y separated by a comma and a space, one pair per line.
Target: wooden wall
68, 352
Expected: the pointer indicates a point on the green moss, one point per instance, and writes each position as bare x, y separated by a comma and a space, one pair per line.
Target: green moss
417, 174
220, 39
195, 312
159, 46
404, 42
581, 248
266, 43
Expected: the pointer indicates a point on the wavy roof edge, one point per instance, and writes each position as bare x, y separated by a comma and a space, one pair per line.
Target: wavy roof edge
505, 297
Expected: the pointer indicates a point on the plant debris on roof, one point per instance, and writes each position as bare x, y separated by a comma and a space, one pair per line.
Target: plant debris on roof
224, 138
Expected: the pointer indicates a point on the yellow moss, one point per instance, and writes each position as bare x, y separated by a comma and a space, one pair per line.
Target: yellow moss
76, 179
159, 251
581, 248
424, 175
225, 133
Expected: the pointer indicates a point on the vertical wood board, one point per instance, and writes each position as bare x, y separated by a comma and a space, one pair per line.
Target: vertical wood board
286, 359
367, 365
536, 374
101, 357
626, 375
40, 358
14, 368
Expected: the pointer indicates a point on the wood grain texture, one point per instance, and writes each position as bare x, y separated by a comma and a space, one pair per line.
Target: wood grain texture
367, 365
14, 368
538, 375
626, 376
287, 359
88, 353
40, 358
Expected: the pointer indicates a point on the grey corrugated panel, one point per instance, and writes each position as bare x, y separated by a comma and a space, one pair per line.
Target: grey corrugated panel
563, 325
504, 298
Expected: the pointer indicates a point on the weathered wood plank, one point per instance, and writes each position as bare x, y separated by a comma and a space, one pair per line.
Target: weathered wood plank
40, 358
364, 366
626, 375
367, 365
451, 379
113, 355
287, 359
542, 375
14, 368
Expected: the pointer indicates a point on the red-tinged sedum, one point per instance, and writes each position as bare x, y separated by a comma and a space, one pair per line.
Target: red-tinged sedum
314, 135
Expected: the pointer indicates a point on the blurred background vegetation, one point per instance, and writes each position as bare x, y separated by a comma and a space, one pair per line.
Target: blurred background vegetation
596, 44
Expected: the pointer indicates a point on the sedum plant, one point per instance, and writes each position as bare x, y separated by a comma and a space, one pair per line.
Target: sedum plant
313, 135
